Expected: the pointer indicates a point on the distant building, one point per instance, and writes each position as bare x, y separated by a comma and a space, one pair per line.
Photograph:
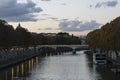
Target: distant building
49, 34
82, 38
19, 26
64, 34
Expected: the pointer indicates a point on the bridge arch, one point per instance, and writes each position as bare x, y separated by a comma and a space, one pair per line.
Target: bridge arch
61, 48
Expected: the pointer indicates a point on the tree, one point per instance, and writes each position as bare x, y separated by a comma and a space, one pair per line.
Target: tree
106, 38
6, 34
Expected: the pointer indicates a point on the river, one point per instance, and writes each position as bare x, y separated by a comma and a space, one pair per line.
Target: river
59, 67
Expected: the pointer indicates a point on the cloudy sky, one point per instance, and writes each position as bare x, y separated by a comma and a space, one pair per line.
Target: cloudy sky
74, 16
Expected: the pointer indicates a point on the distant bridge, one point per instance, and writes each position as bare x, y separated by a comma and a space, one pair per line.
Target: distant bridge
73, 48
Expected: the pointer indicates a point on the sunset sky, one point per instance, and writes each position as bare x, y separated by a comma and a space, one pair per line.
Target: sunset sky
74, 16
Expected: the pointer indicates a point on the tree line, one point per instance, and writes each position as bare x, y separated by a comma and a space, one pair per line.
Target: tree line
107, 37
21, 37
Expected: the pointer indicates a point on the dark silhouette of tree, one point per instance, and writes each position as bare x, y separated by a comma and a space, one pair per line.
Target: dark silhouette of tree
21, 37
106, 38
6, 34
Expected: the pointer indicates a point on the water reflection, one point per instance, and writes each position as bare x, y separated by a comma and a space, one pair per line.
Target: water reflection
20, 71
12, 71
17, 70
6, 75
101, 72
59, 67
62, 67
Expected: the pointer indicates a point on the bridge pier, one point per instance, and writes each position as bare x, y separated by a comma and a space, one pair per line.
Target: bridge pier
74, 51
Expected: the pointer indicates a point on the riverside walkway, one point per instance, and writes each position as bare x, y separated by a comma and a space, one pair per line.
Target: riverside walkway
17, 55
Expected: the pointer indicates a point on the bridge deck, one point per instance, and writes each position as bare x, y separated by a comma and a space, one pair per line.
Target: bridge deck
72, 46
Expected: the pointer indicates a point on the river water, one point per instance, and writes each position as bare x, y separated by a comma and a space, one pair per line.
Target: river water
59, 67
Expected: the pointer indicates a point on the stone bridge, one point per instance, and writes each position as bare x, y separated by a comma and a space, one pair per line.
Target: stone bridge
82, 47
59, 48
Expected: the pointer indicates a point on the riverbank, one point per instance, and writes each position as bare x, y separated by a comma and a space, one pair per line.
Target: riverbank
11, 57
14, 57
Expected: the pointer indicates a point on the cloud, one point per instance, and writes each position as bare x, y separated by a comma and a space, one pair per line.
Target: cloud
76, 25
50, 18
45, 14
90, 6
48, 29
23, 18
45, 0
106, 4
53, 18
39, 29
64, 4
63, 19
11, 10
42, 19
